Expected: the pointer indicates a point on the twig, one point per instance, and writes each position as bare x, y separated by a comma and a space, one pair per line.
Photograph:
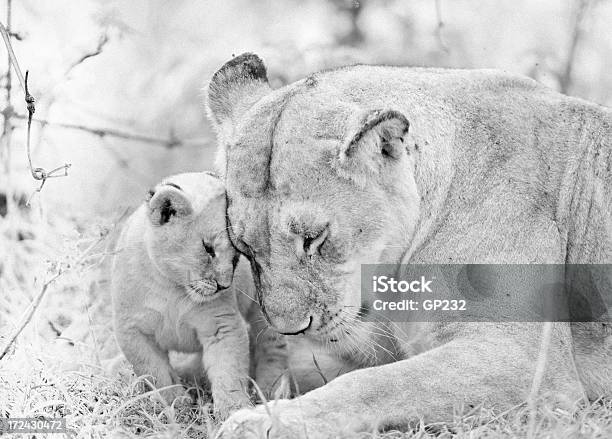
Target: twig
565, 77
538, 377
354, 9
7, 131
170, 142
97, 51
39, 174
439, 33
12, 57
29, 312
50, 95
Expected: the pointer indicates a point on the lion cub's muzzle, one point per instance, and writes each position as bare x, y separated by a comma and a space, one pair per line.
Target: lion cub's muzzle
204, 290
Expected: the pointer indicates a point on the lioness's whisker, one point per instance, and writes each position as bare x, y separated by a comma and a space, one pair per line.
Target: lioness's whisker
242, 292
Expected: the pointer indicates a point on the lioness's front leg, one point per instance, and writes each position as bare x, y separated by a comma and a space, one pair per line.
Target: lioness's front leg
429, 386
225, 359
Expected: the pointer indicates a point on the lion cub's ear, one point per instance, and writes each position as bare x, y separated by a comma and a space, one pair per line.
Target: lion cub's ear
168, 201
235, 87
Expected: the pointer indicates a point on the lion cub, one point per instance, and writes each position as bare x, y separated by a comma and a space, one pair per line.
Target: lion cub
172, 289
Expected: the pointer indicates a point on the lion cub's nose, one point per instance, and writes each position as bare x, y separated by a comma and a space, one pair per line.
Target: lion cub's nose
308, 242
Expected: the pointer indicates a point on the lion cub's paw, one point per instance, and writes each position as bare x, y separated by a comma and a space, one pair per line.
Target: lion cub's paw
171, 395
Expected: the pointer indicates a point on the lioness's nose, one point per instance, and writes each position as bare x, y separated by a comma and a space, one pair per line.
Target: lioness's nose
308, 242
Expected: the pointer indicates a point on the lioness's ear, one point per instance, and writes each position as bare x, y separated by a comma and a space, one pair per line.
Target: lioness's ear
375, 138
167, 201
379, 131
235, 87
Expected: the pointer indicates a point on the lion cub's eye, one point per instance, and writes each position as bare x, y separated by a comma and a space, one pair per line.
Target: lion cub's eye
209, 249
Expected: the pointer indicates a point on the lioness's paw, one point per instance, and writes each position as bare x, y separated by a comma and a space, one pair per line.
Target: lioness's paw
280, 420
246, 424
225, 405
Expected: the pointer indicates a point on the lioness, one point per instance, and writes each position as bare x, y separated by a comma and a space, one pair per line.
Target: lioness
172, 290
370, 164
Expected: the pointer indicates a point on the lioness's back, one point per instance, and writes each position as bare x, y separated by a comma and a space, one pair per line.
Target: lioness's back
504, 131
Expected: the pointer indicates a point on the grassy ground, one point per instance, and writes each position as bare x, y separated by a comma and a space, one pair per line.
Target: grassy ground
66, 362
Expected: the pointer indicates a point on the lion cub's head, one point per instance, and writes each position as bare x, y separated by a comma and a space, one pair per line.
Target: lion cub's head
186, 236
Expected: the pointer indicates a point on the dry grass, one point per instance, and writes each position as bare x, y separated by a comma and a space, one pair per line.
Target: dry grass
66, 362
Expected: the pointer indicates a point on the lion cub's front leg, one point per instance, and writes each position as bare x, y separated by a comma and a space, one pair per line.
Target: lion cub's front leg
148, 358
226, 362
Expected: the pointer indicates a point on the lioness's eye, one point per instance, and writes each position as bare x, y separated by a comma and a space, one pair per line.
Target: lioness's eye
209, 249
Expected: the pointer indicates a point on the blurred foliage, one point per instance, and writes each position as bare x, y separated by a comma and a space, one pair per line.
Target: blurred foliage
140, 66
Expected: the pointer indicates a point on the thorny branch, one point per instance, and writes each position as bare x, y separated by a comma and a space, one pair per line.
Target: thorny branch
39, 174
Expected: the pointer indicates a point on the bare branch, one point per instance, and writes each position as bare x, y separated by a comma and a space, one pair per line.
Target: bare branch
169, 142
439, 33
97, 51
29, 312
102, 41
42, 174
15, 35
565, 77
7, 128
39, 174
12, 57
353, 9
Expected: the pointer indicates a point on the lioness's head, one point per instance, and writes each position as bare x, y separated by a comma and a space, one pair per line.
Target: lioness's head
186, 236
318, 181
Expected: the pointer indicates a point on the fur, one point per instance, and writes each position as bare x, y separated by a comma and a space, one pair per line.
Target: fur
173, 290
495, 169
